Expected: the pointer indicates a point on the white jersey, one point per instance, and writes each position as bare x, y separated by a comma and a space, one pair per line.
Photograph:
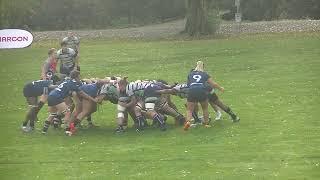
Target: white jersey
136, 86
67, 58
72, 42
180, 87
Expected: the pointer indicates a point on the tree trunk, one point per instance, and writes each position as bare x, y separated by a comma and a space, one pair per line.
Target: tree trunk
197, 17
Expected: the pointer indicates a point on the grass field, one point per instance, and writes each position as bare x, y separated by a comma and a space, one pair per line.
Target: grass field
271, 81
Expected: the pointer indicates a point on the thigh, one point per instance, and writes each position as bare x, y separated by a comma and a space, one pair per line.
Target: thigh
191, 106
204, 104
213, 97
32, 101
43, 98
87, 106
68, 101
61, 107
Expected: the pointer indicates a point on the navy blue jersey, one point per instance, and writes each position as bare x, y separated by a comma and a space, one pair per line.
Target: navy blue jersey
65, 88
90, 89
40, 84
37, 88
196, 78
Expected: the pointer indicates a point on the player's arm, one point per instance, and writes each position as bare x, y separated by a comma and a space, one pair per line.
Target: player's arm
166, 91
86, 96
77, 44
58, 63
43, 71
76, 61
215, 85
100, 98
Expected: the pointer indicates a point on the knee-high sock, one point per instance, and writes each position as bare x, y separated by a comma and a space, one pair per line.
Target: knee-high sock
158, 118
195, 116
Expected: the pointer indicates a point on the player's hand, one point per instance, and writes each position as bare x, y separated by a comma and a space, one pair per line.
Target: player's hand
97, 101
222, 89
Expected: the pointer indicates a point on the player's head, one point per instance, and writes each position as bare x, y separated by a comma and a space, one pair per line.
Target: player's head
52, 52
200, 66
63, 44
70, 34
122, 84
75, 74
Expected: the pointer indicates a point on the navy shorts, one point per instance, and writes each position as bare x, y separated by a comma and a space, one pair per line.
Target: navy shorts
197, 94
54, 100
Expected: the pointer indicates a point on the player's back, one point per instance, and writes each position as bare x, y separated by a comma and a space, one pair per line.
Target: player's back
196, 78
133, 87
65, 88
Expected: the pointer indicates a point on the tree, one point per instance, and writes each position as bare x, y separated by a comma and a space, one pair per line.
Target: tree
200, 18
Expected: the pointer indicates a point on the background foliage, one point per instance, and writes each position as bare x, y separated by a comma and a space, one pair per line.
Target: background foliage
95, 14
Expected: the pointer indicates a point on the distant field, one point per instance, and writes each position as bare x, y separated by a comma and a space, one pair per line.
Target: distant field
271, 81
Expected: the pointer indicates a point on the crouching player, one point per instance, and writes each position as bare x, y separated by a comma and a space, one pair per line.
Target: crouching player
109, 92
58, 107
87, 105
150, 97
166, 107
31, 92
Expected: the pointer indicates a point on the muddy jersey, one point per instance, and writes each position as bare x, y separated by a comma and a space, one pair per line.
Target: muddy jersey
67, 57
111, 93
72, 42
137, 89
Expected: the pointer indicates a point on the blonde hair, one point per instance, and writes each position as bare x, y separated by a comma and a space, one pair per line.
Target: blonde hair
51, 51
200, 66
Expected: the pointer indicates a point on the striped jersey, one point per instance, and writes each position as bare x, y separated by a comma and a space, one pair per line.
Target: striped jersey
66, 57
111, 93
182, 90
72, 42
134, 88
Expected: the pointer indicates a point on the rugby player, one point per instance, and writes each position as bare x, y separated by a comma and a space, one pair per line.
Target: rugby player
58, 107
166, 107
197, 93
49, 66
109, 92
31, 92
88, 106
72, 42
146, 91
68, 59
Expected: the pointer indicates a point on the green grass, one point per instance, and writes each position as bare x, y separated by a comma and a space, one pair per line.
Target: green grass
271, 81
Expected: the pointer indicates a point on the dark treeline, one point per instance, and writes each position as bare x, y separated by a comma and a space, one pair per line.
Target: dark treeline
95, 14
